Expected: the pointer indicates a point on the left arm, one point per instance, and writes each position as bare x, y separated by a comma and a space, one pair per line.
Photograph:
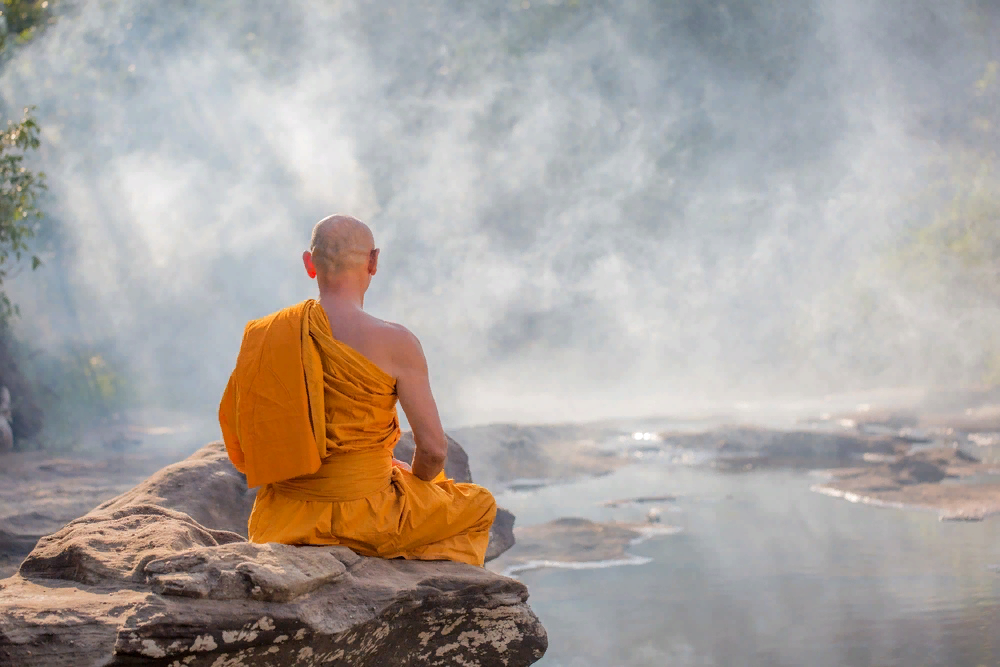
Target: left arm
228, 422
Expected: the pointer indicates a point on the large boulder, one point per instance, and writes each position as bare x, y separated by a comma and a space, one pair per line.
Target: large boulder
163, 575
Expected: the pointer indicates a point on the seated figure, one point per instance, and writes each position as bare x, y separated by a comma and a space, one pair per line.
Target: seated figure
309, 415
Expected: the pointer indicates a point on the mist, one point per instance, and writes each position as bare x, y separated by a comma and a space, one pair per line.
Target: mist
585, 209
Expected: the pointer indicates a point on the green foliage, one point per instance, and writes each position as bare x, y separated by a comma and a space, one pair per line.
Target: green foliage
22, 20
955, 256
19, 191
94, 378
82, 385
960, 247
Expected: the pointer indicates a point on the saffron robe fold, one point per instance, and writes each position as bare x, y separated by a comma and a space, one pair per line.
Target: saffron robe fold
313, 422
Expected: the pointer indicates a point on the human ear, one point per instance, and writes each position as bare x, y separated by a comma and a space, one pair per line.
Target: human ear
307, 261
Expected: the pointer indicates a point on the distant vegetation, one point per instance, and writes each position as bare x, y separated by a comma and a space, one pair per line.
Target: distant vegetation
956, 255
61, 390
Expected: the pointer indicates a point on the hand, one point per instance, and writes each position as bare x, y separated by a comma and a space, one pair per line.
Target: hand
399, 464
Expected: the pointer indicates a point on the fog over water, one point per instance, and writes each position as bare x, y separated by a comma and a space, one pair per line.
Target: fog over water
586, 209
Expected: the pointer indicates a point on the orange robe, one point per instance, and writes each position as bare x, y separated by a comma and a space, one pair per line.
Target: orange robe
313, 423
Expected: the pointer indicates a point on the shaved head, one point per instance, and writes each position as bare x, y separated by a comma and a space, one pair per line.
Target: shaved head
339, 243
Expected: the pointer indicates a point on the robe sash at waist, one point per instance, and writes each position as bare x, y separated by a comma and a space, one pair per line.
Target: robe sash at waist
342, 477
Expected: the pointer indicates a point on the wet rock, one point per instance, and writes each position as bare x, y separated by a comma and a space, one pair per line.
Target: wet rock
501, 534
162, 575
746, 448
639, 500
913, 480
879, 418
910, 470
577, 543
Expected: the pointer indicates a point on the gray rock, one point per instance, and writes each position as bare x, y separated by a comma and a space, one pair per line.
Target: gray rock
911, 470
456, 467
269, 572
776, 447
162, 575
507, 454
574, 540
114, 545
501, 534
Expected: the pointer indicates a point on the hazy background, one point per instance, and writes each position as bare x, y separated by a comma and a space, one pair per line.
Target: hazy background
586, 208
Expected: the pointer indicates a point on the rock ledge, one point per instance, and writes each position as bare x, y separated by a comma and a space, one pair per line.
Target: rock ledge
162, 575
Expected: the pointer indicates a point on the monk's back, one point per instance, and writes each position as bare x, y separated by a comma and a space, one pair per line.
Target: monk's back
309, 415
373, 338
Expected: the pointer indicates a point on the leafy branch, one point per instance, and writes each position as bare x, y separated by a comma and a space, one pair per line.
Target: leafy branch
20, 189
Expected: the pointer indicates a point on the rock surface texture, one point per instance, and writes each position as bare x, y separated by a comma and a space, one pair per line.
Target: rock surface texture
163, 575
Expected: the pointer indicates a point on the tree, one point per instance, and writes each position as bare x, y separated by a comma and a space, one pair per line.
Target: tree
21, 19
19, 191
20, 188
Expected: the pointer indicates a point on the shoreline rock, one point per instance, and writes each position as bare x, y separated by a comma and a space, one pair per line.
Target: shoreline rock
162, 575
915, 480
749, 447
502, 455
577, 543
891, 469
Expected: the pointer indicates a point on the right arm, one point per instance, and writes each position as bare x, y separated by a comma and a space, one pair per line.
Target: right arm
414, 389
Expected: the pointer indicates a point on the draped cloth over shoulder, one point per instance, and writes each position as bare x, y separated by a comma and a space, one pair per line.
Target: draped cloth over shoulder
313, 423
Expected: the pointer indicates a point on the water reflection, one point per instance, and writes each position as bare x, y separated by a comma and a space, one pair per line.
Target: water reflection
767, 573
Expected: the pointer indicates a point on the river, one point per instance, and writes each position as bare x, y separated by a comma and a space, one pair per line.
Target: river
765, 572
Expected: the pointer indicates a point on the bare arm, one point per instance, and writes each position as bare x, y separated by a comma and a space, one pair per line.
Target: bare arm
414, 389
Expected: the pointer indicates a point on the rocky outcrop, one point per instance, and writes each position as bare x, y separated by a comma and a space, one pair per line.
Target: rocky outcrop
748, 447
40, 494
163, 575
513, 455
577, 543
501, 534
913, 480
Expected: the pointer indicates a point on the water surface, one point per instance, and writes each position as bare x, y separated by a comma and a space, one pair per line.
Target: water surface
766, 572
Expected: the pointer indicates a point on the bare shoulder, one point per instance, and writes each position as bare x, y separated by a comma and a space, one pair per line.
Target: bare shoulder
393, 336
402, 343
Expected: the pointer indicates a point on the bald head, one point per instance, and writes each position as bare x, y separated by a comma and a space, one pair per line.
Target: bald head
340, 243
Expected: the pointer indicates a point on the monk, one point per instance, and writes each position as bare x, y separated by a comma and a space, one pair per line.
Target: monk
309, 415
